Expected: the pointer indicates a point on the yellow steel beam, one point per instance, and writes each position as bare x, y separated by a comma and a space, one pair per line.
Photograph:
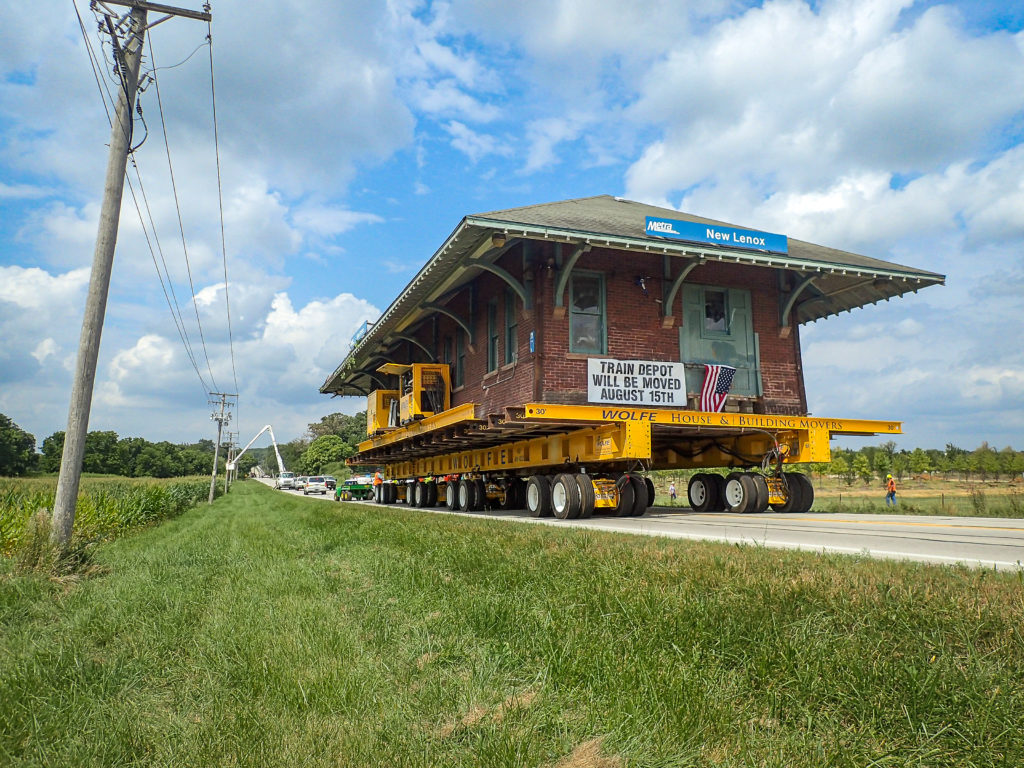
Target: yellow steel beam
451, 417
590, 445
675, 417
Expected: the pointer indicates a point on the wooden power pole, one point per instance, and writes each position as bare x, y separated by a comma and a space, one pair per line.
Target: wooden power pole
128, 57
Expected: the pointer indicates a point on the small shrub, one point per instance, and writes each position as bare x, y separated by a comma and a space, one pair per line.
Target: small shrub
978, 503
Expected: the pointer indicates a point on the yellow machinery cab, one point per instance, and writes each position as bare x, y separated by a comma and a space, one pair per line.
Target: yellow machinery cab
424, 390
378, 411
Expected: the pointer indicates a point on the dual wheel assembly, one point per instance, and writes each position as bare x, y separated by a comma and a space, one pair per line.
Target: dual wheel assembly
750, 492
569, 495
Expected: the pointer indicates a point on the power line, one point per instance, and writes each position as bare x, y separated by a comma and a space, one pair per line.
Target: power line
220, 202
177, 206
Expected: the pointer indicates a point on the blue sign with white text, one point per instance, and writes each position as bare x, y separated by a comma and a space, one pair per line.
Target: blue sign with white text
716, 235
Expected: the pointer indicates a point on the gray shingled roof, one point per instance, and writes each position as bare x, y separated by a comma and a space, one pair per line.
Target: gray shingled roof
843, 280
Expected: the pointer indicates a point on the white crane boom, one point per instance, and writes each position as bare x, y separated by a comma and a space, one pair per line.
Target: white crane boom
280, 464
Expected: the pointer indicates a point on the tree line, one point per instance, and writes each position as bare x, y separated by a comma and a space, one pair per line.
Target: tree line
323, 448
876, 461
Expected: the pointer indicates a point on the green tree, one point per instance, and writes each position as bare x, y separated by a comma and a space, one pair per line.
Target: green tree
100, 453
987, 461
326, 449
17, 449
919, 462
862, 468
53, 451
883, 464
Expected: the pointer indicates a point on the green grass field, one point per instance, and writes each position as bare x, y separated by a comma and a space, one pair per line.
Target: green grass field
273, 630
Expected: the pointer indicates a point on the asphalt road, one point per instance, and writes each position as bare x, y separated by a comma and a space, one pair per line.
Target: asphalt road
984, 542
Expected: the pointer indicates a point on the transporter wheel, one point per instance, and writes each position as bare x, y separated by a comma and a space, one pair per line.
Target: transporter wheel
508, 496
465, 495
740, 492
538, 496
431, 490
415, 493
794, 497
702, 492
378, 494
761, 486
479, 495
565, 497
627, 497
640, 492
451, 495
650, 491
806, 490
588, 496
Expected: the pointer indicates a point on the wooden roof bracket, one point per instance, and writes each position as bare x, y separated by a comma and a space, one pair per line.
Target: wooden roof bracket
417, 342
563, 277
789, 301
667, 317
464, 325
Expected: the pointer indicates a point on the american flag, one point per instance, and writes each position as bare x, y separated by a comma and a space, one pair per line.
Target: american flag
717, 380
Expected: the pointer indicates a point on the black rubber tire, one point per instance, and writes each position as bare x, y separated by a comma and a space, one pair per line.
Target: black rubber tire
378, 494
761, 486
794, 497
479, 495
702, 492
415, 493
465, 495
519, 493
806, 491
650, 492
740, 492
588, 496
431, 494
627, 498
640, 494
538, 496
451, 495
565, 497
508, 498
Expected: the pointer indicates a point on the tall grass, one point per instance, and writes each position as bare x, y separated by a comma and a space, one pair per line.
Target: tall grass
106, 508
272, 630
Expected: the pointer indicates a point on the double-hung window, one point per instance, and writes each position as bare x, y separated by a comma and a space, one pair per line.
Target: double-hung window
492, 335
460, 358
511, 328
587, 317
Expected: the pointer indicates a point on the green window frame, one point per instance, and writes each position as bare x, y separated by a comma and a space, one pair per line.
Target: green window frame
588, 321
492, 335
460, 358
511, 328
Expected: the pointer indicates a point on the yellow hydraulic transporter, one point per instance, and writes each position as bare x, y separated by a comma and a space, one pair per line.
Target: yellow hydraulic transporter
551, 356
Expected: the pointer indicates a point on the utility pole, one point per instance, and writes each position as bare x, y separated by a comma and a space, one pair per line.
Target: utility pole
228, 472
222, 417
128, 54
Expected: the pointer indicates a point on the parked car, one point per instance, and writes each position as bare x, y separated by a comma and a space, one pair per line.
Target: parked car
331, 482
315, 484
285, 480
300, 482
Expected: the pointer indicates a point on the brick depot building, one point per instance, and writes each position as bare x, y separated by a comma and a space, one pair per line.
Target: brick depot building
519, 301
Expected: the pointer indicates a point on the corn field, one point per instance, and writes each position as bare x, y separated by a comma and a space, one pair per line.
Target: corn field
106, 508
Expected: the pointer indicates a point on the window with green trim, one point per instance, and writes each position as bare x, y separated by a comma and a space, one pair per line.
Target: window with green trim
511, 328
587, 318
460, 358
492, 335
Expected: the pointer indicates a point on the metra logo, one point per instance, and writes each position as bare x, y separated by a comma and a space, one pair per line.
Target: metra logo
661, 226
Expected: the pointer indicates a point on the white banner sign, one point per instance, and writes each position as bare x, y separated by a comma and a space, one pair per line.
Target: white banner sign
636, 382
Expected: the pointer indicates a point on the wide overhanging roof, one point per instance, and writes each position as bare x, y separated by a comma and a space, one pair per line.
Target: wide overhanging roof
842, 280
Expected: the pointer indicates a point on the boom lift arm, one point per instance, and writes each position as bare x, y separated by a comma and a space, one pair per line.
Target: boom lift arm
280, 464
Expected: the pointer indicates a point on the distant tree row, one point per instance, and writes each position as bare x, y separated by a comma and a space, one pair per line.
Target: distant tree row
875, 462
105, 453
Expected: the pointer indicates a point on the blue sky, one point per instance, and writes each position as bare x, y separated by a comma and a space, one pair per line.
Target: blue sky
354, 137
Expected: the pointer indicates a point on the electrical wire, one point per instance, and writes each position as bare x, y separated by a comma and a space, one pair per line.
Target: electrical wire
94, 64
177, 206
220, 203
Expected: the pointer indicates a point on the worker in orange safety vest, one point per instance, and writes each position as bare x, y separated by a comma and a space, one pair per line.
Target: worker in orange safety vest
890, 491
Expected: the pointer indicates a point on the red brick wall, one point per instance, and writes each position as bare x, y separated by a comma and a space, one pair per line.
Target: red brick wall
634, 329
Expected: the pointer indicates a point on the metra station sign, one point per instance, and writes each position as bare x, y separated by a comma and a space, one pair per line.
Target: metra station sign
715, 234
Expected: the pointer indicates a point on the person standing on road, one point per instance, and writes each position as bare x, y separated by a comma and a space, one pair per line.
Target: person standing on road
672, 491
890, 491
